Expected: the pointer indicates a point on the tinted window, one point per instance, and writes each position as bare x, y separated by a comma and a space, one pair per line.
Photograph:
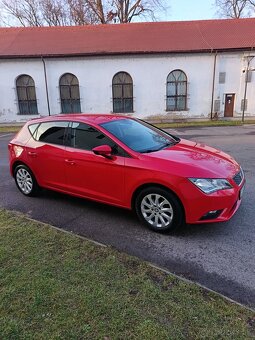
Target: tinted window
86, 137
138, 136
51, 132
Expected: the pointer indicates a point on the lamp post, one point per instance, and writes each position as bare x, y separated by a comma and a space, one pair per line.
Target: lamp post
249, 59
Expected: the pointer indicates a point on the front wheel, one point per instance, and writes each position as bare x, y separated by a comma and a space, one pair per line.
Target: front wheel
159, 209
25, 180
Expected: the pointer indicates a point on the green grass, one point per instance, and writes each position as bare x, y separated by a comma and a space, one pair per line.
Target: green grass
165, 125
203, 123
54, 285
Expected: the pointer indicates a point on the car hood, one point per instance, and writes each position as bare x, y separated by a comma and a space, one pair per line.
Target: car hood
197, 160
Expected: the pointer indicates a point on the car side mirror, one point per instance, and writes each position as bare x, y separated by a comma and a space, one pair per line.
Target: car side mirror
103, 150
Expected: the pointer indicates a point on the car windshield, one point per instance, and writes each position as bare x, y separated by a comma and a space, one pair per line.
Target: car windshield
139, 136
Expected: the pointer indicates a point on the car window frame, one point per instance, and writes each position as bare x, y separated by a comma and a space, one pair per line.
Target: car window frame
34, 135
124, 153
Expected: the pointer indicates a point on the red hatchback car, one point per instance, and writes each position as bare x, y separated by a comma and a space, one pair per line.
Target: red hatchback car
126, 162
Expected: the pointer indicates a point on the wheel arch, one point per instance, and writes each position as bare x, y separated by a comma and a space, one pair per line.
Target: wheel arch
33, 188
14, 166
17, 163
147, 185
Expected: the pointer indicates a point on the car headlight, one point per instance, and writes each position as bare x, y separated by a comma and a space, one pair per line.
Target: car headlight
209, 185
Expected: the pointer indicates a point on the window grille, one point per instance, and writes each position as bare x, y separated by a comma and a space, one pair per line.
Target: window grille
176, 91
222, 77
25, 86
122, 93
69, 94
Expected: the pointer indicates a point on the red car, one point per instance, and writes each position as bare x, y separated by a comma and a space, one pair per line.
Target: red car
126, 162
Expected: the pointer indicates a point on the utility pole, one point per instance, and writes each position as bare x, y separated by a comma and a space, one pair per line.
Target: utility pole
249, 59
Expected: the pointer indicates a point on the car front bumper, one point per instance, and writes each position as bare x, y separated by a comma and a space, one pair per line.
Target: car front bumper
222, 205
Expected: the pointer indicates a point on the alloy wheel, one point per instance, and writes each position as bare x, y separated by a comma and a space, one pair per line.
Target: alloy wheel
157, 210
24, 181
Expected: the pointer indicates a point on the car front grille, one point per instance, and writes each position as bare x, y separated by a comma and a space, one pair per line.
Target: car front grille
238, 177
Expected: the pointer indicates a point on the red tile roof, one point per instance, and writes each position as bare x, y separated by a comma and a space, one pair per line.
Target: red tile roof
133, 38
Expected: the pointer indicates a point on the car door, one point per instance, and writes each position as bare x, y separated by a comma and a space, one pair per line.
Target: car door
46, 154
91, 175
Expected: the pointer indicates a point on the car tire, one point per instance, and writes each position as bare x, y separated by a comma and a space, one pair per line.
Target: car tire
25, 181
159, 209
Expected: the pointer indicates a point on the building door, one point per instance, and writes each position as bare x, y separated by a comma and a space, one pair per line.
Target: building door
229, 105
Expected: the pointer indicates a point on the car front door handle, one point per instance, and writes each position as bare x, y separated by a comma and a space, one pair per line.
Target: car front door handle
70, 161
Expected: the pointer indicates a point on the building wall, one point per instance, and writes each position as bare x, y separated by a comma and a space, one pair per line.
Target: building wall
234, 66
149, 74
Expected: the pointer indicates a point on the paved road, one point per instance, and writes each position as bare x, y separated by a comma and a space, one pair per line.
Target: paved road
219, 256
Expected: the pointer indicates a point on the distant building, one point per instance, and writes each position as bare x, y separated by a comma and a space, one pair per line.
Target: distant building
192, 69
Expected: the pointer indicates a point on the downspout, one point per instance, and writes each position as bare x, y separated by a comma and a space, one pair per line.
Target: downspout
46, 84
213, 83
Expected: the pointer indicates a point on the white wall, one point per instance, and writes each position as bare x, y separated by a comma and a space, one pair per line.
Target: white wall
234, 65
9, 71
149, 75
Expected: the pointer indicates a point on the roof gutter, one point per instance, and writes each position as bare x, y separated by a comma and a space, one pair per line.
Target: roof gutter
126, 53
46, 84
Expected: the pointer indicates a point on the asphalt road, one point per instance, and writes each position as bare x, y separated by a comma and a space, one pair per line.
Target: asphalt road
219, 256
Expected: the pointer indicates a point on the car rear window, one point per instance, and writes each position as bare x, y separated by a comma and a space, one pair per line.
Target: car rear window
51, 132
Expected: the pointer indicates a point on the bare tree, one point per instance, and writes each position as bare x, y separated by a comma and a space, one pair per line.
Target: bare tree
54, 13
27, 12
125, 11
98, 10
235, 8
47, 12
79, 12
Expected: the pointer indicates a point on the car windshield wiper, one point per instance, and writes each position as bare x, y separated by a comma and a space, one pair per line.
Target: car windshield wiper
165, 145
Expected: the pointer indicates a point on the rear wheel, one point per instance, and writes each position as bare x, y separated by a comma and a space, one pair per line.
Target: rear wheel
159, 209
25, 180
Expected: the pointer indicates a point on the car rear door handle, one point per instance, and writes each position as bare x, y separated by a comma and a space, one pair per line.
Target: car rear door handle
32, 154
70, 161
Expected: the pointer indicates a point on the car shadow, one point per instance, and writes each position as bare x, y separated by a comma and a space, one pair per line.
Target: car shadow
125, 216
93, 206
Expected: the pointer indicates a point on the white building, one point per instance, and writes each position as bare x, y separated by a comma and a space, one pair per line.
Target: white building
192, 69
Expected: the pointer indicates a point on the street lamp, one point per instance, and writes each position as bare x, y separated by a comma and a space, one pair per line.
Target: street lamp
249, 59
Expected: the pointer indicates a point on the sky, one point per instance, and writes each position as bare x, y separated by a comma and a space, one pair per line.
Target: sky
189, 10
185, 10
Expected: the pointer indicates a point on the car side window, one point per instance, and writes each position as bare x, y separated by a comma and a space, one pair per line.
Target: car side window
32, 128
86, 137
51, 132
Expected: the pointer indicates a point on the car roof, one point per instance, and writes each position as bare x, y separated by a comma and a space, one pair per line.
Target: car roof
81, 117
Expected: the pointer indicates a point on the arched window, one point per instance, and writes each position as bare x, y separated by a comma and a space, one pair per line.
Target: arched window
122, 92
25, 86
69, 93
176, 91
